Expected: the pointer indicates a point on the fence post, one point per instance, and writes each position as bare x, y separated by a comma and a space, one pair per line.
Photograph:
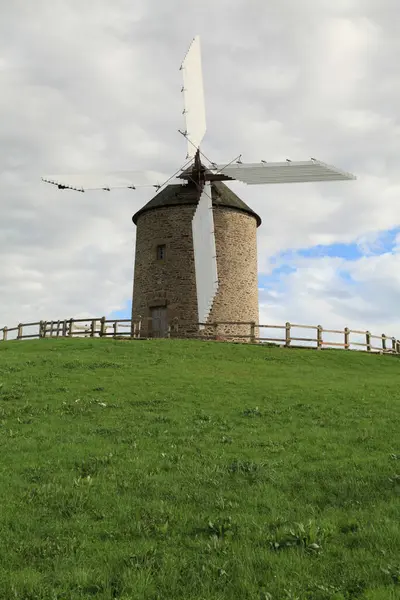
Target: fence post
394, 345
383, 342
319, 337
5, 329
70, 325
19, 334
92, 327
102, 326
287, 335
115, 324
346, 338
137, 325
64, 328
368, 340
58, 328
252, 332
397, 347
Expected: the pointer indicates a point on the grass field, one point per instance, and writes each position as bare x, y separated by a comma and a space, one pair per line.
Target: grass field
189, 470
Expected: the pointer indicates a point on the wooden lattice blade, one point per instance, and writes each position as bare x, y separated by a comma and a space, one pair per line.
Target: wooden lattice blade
82, 182
193, 96
282, 172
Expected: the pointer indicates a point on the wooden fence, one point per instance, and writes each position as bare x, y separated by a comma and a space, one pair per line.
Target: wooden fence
75, 327
102, 327
386, 344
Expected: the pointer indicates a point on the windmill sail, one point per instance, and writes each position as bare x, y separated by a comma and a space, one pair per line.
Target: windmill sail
108, 181
205, 258
282, 172
193, 96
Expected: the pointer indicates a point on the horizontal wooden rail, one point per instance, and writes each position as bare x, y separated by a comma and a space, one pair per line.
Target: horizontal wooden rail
118, 333
118, 320
226, 323
83, 320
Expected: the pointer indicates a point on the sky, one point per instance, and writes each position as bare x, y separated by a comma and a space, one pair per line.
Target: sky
96, 85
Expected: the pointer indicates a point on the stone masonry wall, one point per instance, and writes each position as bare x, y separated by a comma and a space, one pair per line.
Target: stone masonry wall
237, 298
172, 282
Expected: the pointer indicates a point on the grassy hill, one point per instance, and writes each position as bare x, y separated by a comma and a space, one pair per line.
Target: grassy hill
172, 470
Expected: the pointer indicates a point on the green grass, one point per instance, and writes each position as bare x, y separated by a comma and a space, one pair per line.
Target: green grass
188, 470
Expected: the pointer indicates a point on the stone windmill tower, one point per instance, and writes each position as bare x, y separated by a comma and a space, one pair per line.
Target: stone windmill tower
165, 271
196, 250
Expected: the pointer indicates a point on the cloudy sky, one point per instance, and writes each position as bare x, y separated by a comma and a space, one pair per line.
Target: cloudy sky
94, 84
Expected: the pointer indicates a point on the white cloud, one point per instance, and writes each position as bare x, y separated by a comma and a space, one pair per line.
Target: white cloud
96, 85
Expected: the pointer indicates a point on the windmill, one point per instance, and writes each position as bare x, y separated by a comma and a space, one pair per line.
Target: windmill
202, 225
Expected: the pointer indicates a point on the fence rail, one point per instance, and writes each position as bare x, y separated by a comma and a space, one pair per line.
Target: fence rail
102, 327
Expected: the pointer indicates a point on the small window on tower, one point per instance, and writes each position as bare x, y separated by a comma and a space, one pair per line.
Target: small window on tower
161, 252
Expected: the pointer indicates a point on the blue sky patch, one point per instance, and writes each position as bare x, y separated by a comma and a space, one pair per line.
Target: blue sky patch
274, 279
125, 313
346, 277
346, 251
375, 243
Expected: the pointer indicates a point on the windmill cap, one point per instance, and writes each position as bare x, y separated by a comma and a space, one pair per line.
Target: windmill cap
180, 195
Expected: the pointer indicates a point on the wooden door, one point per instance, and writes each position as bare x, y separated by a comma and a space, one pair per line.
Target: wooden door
159, 324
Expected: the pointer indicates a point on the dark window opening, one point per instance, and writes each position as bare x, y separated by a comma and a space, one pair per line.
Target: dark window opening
161, 252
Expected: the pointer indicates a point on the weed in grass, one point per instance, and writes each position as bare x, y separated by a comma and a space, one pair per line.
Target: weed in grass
222, 528
350, 527
92, 465
252, 412
226, 440
245, 467
13, 393
310, 537
36, 474
393, 571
